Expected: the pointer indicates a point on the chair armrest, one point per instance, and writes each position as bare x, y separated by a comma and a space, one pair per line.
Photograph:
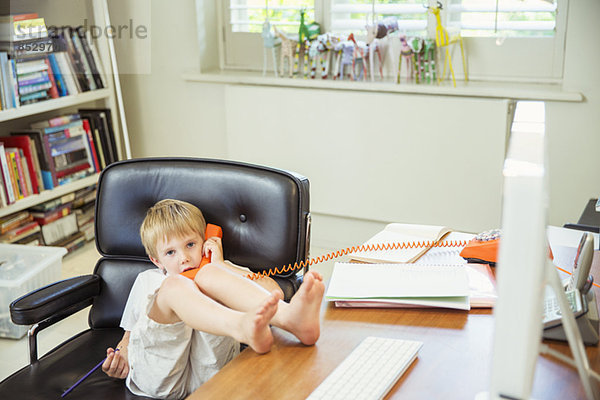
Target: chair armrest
64, 297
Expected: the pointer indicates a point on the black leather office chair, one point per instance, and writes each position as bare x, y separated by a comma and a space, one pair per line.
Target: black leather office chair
265, 218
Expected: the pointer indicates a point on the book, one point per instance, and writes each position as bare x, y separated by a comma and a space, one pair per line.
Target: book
58, 76
14, 165
45, 217
54, 203
8, 98
37, 138
73, 242
420, 285
67, 72
60, 229
408, 234
6, 175
14, 220
101, 123
89, 55
87, 70
24, 143
32, 239
20, 232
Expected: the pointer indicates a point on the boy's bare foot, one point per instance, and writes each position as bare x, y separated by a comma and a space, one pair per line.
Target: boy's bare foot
302, 317
256, 324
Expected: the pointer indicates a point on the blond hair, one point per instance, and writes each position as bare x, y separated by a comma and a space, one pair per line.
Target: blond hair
170, 218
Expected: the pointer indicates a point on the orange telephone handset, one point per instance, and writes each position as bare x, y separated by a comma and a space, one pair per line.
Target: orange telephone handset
211, 231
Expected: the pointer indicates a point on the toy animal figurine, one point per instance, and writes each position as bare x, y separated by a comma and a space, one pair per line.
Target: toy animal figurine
306, 34
381, 29
376, 47
406, 55
359, 57
429, 60
417, 46
288, 50
345, 57
443, 40
377, 35
320, 52
270, 41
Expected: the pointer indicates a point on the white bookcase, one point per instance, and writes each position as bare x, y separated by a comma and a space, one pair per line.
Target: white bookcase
73, 13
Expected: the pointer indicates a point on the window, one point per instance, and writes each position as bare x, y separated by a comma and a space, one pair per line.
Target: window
505, 39
352, 15
249, 15
504, 18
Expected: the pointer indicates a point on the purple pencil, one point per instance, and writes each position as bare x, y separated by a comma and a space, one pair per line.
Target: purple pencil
85, 376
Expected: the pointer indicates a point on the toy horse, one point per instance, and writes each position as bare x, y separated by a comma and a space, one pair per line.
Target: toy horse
382, 29
288, 50
345, 58
270, 41
429, 60
444, 40
376, 40
417, 46
406, 54
319, 52
359, 56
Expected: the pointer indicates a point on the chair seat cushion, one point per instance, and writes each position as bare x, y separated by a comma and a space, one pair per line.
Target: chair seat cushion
66, 364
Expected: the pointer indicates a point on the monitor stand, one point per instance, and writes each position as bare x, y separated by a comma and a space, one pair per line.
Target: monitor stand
572, 333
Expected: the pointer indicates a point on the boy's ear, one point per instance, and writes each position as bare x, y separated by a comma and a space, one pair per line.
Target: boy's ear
156, 262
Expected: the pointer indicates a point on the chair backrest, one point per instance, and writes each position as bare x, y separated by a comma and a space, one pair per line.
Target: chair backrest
263, 211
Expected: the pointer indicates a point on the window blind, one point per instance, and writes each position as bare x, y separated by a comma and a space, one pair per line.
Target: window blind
510, 18
249, 15
352, 15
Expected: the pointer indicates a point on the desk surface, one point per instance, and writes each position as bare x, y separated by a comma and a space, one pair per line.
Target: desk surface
454, 362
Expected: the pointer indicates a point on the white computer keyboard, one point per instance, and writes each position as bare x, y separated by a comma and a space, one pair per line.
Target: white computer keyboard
370, 371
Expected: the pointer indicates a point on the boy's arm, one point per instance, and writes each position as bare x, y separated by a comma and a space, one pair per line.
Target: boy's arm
116, 364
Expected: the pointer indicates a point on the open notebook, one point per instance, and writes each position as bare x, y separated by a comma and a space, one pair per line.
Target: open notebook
400, 233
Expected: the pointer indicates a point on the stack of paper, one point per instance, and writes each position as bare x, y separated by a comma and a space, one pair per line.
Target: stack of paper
400, 284
413, 277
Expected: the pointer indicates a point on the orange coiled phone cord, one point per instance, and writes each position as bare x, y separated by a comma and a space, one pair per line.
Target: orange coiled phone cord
354, 249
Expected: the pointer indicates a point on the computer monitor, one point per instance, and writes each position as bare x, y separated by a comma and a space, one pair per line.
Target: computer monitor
523, 253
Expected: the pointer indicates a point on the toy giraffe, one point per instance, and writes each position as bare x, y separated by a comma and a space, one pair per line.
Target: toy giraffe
270, 41
306, 34
444, 40
288, 50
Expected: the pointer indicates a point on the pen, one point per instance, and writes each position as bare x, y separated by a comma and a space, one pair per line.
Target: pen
85, 376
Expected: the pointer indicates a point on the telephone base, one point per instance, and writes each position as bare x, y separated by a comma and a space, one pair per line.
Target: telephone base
587, 323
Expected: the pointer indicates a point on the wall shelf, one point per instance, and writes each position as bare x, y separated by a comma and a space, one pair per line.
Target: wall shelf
46, 195
54, 104
503, 90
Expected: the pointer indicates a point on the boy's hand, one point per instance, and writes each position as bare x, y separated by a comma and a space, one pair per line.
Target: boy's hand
116, 364
213, 248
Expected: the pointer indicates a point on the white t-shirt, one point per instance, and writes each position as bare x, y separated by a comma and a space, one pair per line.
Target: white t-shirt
168, 361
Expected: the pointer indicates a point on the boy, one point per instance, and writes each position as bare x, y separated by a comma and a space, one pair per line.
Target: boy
178, 331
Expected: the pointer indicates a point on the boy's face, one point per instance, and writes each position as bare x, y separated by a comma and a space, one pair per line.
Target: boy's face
178, 254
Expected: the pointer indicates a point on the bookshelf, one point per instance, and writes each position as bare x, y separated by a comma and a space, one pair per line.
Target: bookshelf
62, 13
48, 195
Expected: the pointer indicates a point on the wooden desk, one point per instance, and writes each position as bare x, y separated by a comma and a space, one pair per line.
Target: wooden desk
454, 362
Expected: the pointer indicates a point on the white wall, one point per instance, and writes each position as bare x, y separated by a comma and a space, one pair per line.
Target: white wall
370, 157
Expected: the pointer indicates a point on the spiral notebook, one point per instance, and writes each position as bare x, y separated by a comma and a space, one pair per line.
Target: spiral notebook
394, 233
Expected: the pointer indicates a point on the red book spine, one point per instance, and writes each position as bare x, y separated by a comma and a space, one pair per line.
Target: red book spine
53, 91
